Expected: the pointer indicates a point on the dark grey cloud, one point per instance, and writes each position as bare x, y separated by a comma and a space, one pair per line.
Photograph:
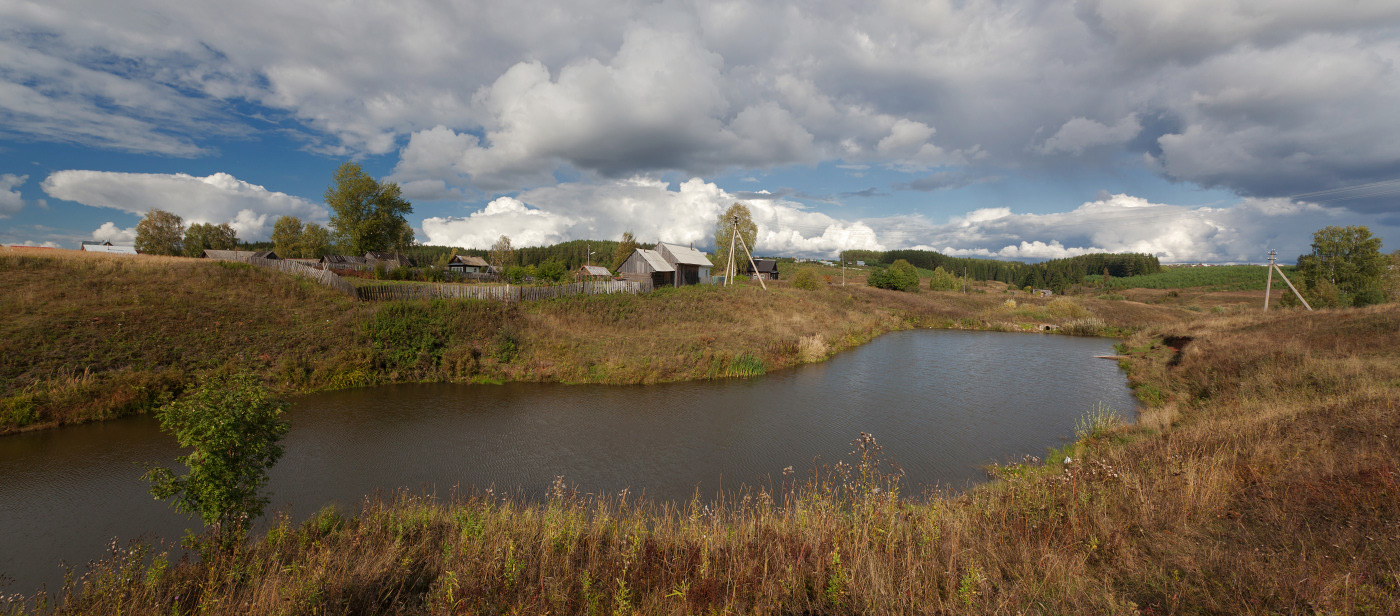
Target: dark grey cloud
946, 180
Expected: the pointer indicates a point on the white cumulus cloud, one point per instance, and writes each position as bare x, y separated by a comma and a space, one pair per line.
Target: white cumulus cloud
110, 232
11, 202
217, 198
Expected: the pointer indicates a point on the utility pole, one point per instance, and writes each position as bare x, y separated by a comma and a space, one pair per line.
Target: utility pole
733, 263
1269, 284
1272, 267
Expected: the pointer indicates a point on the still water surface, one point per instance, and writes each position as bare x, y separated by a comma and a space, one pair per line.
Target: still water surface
942, 403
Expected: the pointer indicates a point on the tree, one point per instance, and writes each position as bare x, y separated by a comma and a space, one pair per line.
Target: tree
315, 241
1391, 281
502, 255
209, 236
1345, 267
624, 249
943, 280
724, 230
232, 425
900, 276
286, 237
367, 215
160, 233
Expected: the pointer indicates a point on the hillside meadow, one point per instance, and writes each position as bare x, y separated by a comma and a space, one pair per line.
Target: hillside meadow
90, 337
1261, 477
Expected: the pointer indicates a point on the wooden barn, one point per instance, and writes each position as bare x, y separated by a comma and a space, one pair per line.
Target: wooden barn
691, 266
648, 265
767, 269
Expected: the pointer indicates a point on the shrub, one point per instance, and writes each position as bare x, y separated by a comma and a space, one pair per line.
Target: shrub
942, 280
233, 425
900, 276
806, 278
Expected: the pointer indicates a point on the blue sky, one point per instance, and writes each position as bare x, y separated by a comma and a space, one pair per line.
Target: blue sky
1193, 130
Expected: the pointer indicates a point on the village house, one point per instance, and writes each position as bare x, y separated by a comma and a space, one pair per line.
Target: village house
107, 248
390, 260
468, 265
691, 266
767, 269
344, 262
592, 272
647, 265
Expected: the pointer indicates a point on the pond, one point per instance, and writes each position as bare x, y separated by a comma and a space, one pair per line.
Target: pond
943, 404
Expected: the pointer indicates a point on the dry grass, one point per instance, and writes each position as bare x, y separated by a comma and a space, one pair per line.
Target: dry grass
93, 336
1263, 478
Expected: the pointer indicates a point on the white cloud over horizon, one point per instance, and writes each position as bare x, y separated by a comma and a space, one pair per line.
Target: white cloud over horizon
654, 211
217, 198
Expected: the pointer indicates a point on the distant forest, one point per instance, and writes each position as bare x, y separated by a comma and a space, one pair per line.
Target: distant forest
1056, 274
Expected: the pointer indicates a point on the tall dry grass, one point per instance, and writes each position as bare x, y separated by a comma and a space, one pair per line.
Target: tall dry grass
1262, 478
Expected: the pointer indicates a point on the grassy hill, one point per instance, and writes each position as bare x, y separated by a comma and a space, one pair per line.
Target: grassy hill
97, 336
1213, 278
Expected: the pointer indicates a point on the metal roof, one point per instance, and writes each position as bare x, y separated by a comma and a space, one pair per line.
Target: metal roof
654, 259
116, 250
686, 255
470, 260
595, 270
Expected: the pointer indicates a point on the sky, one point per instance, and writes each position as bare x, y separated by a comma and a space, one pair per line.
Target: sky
1194, 130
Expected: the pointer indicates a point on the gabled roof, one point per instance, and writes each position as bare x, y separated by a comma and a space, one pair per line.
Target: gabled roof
401, 259
116, 250
469, 260
96, 243
345, 259
686, 255
654, 260
594, 270
765, 266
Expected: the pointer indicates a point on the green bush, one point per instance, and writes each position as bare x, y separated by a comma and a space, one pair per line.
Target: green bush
943, 280
900, 276
806, 278
233, 425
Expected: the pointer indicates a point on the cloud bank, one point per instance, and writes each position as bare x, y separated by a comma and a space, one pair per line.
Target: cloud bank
217, 198
11, 202
1264, 100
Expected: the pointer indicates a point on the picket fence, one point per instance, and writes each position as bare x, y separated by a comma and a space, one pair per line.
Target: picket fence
506, 293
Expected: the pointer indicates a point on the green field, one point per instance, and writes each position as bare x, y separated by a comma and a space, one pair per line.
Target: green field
1214, 278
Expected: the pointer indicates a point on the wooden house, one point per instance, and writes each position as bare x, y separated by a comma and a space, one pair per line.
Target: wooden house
646, 264
767, 269
592, 272
469, 265
108, 248
390, 260
344, 262
691, 266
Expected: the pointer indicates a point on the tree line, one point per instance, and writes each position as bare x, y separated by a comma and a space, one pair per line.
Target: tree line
1056, 274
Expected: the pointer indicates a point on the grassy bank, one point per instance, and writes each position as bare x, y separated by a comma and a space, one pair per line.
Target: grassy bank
90, 337
1262, 478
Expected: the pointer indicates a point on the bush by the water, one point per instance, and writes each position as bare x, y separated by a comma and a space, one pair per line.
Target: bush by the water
900, 276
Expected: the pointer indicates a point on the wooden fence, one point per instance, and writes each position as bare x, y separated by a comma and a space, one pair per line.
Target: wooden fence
297, 269
506, 293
